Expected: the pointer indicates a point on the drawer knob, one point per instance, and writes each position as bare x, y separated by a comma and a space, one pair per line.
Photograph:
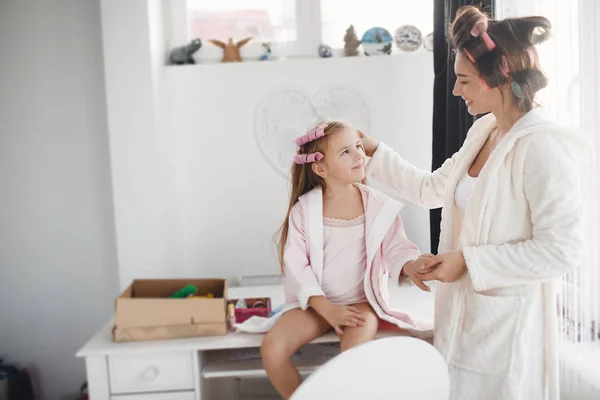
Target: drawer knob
150, 373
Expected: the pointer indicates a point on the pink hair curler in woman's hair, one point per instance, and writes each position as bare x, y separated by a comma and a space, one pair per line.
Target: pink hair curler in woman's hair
480, 30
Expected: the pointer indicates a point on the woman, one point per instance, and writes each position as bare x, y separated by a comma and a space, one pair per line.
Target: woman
510, 221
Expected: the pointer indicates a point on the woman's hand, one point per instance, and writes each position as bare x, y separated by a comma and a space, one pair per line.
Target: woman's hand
414, 269
447, 267
341, 316
369, 144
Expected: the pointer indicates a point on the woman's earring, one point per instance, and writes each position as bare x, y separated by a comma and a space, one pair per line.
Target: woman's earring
516, 89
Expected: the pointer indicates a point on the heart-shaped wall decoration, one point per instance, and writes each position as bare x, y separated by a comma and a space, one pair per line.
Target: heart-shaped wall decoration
286, 113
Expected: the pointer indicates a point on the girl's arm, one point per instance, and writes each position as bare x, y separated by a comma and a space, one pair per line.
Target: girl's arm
309, 292
296, 260
397, 250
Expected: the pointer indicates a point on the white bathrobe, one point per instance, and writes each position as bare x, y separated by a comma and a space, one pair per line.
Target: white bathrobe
497, 325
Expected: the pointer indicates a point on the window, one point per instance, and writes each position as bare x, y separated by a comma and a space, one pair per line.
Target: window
295, 28
267, 20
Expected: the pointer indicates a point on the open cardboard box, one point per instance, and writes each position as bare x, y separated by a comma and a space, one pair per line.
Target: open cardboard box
144, 310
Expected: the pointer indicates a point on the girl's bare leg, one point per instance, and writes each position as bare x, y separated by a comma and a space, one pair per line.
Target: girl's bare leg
292, 330
354, 336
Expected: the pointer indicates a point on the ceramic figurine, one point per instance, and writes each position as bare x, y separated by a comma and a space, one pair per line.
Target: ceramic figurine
231, 51
428, 42
325, 51
183, 55
268, 54
351, 42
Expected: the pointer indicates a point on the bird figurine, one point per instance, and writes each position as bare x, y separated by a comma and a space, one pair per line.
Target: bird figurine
231, 51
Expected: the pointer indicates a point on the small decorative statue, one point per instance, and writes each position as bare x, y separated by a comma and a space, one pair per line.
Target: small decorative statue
231, 51
267, 55
325, 51
351, 42
183, 54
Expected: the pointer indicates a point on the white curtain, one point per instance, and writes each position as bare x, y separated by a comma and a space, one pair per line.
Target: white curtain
571, 59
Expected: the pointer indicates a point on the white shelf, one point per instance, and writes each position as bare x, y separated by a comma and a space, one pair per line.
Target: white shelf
232, 364
251, 369
338, 62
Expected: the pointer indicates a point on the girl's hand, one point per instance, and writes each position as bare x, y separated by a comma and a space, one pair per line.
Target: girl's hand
369, 144
341, 316
413, 269
447, 267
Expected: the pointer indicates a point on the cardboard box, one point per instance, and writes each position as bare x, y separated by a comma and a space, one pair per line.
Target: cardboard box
144, 310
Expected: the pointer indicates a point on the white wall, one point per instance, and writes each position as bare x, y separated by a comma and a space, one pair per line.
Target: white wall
187, 202
225, 201
58, 273
133, 50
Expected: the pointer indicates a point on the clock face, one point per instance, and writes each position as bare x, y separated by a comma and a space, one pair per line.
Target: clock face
408, 38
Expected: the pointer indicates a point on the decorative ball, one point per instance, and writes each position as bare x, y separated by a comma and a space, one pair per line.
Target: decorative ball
428, 42
408, 38
377, 41
325, 51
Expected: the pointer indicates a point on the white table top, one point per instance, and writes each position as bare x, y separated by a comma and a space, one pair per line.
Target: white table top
102, 343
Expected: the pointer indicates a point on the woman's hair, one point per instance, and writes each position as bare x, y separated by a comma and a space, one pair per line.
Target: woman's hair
304, 179
514, 58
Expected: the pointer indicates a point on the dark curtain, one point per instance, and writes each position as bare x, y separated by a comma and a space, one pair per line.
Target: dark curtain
451, 121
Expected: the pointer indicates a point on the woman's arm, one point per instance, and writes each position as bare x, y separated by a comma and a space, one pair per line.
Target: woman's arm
552, 184
419, 186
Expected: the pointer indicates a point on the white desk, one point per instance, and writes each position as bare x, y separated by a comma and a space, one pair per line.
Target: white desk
185, 369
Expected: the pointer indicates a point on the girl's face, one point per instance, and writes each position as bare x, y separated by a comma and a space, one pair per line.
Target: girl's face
469, 86
344, 158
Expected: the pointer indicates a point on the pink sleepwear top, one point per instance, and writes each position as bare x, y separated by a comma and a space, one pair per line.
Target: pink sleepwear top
344, 260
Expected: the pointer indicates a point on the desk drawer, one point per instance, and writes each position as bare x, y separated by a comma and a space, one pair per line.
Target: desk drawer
153, 372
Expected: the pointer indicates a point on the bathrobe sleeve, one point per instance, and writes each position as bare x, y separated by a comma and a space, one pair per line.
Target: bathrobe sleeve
419, 186
297, 262
552, 184
397, 250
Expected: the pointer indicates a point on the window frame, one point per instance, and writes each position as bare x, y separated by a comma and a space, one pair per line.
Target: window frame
308, 33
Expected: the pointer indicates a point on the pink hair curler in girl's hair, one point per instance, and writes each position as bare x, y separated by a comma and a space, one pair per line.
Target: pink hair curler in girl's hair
308, 158
311, 135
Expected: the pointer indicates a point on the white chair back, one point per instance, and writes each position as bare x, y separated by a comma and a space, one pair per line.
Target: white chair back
390, 368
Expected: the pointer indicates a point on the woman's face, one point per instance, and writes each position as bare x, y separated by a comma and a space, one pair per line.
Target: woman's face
478, 98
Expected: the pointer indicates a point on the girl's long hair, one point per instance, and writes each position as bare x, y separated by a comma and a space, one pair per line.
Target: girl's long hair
304, 179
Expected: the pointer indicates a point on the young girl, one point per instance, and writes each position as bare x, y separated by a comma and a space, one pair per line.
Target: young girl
338, 245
